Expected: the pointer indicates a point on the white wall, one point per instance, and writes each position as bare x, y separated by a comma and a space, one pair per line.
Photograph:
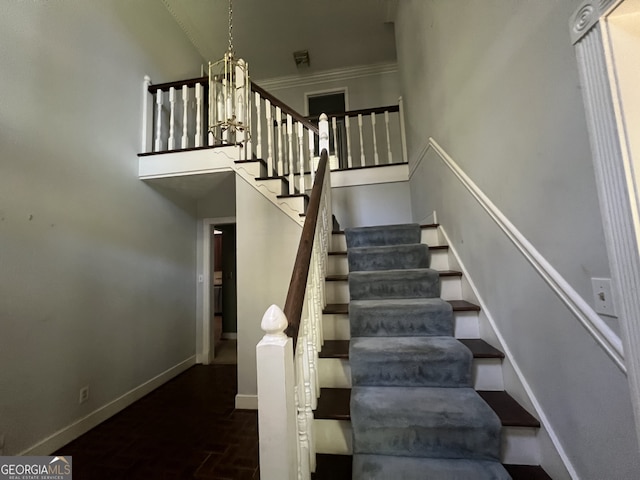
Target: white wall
496, 85
97, 267
367, 205
267, 242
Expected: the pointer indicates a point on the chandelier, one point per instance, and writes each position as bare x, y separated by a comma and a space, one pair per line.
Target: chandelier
229, 90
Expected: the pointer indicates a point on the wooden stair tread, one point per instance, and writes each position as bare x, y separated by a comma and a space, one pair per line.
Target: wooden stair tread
423, 227
341, 277
294, 195
335, 349
284, 179
479, 348
458, 306
339, 467
463, 306
333, 404
527, 472
511, 413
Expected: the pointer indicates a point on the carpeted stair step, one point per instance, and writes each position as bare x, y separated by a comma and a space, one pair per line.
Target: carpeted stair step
409, 283
410, 362
383, 467
401, 317
457, 305
424, 422
386, 235
391, 257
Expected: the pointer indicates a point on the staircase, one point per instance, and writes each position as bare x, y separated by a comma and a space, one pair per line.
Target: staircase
390, 366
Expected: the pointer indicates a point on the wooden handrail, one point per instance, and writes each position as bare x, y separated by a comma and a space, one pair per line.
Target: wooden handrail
284, 107
355, 113
191, 82
295, 296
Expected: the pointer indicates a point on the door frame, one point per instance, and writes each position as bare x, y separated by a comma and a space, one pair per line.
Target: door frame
205, 350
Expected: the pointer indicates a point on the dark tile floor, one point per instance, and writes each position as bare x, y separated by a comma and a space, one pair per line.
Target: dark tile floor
186, 429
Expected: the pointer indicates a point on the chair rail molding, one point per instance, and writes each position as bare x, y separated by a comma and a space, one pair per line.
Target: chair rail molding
618, 198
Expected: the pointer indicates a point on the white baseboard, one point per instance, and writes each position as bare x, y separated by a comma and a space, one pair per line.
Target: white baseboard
83, 425
246, 402
230, 335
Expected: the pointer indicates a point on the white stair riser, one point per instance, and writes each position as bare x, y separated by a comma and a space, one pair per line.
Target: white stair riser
466, 325
294, 203
333, 437
486, 373
338, 264
334, 373
275, 186
336, 327
430, 236
338, 243
338, 292
519, 444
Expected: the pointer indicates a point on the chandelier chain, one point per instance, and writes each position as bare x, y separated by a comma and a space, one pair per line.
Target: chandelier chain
231, 26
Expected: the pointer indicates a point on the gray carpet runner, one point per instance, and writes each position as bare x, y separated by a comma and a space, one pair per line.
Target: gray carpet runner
413, 412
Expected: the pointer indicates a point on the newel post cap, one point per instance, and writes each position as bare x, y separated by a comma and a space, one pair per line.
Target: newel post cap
274, 323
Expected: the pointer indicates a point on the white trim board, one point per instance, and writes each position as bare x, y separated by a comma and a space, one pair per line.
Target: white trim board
83, 425
505, 349
341, 74
599, 330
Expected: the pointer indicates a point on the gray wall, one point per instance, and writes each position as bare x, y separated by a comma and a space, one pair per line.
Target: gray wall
495, 83
97, 271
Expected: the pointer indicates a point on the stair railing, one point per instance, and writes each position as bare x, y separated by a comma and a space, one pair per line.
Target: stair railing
175, 119
376, 134
287, 356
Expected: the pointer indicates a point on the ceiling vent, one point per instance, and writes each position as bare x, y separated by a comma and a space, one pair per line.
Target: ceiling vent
301, 58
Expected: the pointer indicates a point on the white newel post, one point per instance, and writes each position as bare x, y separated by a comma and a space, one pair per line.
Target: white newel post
323, 126
147, 116
277, 415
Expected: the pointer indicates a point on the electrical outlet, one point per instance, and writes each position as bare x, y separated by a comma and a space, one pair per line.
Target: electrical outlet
602, 296
84, 394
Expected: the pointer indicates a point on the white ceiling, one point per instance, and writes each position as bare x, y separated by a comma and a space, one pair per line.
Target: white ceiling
337, 33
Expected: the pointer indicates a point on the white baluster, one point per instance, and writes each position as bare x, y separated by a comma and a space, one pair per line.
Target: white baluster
386, 122
376, 160
309, 398
147, 116
198, 139
334, 124
172, 122
301, 156
362, 160
323, 126
184, 143
267, 111
259, 130
279, 133
348, 132
292, 187
158, 142
276, 399
311, 146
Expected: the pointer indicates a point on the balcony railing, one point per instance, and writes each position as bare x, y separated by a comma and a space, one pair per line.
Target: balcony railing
175, 119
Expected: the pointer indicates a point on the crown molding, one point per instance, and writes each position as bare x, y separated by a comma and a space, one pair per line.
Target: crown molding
341, 74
